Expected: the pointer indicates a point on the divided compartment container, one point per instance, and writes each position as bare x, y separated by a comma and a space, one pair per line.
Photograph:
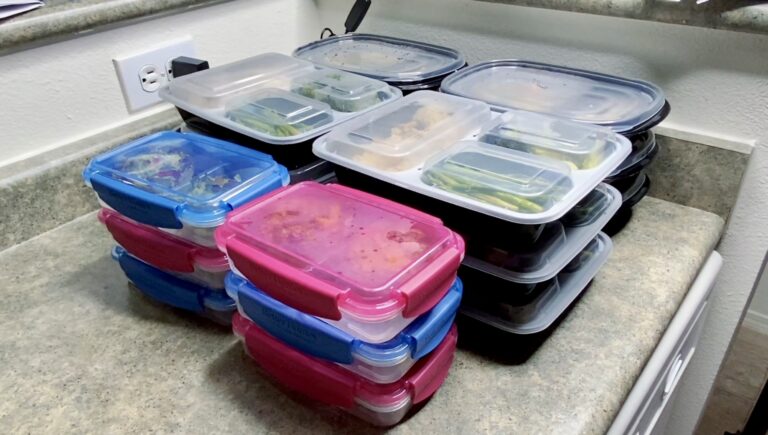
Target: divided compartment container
403, 63
536, 311
558, 245
174, 291
181, 183
332, 385
364, 264
621, 104
277, 102
199, 264
380, 363
541, 170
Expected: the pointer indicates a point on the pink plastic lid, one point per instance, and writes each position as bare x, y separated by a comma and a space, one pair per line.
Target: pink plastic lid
159, 248
333, 384
324, 249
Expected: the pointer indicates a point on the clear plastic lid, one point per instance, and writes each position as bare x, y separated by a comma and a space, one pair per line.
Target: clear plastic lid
535, 168
589, 97
276, 98
543, 310
171, 178
327, 249
404, 134
392, 60
557, 246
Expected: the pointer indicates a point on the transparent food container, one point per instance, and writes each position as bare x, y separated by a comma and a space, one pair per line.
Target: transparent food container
618, 103
199, 264
402, 63
547, 302
364, 264
381, 363
644, 150
184, 184
541, 170
174, 291
275, 99
331, 384
555, 249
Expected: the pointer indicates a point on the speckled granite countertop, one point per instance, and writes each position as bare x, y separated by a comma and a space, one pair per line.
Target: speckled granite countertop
81, 354
67, 18
739, 15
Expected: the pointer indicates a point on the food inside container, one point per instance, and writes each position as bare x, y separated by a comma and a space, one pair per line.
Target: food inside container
587, 210
332, 385
342, 91
588, 97
181, 183
366, 265
279, 114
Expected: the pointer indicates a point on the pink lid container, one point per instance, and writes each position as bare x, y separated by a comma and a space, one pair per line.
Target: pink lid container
202, 265
331, 384
368, 265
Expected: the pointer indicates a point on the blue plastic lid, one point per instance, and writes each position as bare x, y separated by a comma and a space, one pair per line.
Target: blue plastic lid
615, 102
171, 179
315, 337
170, 289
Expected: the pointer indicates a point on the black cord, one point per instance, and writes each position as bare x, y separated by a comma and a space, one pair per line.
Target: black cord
330, 33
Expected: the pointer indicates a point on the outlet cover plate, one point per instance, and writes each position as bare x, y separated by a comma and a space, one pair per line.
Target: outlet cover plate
128, 69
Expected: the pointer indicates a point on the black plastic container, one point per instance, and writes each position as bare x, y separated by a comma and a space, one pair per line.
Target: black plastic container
624, 215
651, 122
644, 150
470, 224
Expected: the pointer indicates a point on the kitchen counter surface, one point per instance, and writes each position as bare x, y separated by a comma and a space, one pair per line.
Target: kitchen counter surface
67, 18
81, 353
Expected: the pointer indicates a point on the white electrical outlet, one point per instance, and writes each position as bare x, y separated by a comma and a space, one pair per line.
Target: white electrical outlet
142, 74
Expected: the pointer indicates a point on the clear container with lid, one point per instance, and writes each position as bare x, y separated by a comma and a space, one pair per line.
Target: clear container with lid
199, 264
381, 363
545, 166
364, 264
181, 183
402, 135
548, 301
399, 62
555, 249
584, 96
277, 99
174, 291
332, 385
644, 150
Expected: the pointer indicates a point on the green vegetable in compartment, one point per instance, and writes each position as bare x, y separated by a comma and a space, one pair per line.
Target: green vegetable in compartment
271, 116
544, 146
537, 194
343, 92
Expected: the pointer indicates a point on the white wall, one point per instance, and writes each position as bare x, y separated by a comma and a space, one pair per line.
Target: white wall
717, 82
57, 93
757, 316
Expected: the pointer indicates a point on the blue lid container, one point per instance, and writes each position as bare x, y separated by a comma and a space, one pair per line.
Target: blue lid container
381, 363
174, 291
183, 183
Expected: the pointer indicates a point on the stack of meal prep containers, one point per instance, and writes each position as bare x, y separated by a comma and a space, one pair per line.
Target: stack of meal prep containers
345, 297
163, 196
628, 107
407, 65
276, 104
522, 188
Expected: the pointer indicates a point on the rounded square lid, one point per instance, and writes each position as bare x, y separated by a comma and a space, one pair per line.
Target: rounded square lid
392, 60
583, 96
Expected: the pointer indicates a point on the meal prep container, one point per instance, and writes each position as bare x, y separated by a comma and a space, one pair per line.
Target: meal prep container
364, 264
558, 246
407, 65
523, 168
317, 170
620, 104
174, 291
199, 264
181, 183
280, 102
331, 384
381, 363
538, 311
644, 150
630, 186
